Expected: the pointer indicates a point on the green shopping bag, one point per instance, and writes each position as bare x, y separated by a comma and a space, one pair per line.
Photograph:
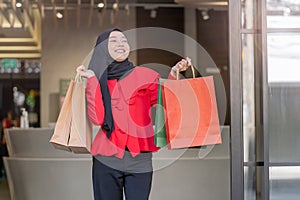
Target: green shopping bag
160, 139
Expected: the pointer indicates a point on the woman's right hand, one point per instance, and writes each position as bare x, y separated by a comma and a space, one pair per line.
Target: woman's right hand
87, 73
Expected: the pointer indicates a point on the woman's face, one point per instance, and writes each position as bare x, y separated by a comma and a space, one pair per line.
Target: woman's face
118, 46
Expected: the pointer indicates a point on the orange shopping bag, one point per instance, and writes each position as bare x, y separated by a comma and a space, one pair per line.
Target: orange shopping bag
191, 112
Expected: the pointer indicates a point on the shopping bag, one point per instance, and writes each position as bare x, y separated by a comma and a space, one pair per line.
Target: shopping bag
60, 137
191, 112
160, 139
73, 130
81, 129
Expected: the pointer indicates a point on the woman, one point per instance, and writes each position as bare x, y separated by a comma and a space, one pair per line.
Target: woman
119, 98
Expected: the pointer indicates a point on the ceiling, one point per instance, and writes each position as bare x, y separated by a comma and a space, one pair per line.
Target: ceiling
20, 27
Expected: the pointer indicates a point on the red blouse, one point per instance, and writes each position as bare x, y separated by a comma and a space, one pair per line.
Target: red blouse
131, 99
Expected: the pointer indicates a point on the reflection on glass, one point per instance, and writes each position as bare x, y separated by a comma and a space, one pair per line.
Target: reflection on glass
284, 183
247, 18
248, 114
283, 13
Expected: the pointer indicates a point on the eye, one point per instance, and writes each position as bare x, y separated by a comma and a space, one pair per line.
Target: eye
113, 40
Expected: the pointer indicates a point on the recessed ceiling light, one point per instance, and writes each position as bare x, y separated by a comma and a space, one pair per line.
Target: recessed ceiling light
18, 4
59, 15
100, 5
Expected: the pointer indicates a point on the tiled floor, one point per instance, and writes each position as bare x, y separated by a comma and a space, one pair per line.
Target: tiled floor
4, 191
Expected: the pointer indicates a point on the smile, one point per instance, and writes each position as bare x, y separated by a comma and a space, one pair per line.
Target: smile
120, 51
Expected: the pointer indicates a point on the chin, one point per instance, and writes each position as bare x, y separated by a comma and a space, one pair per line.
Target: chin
121, 58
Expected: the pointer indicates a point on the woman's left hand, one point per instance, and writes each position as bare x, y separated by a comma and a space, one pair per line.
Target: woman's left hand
181, 66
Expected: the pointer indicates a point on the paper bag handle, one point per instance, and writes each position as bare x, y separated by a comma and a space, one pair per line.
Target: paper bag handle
193, 71
78, 78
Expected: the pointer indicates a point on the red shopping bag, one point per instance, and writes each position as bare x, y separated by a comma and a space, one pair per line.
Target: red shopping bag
191, 112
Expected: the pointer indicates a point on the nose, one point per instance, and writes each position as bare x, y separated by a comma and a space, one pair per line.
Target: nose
119, 42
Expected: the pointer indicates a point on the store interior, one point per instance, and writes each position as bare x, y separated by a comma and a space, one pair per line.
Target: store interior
43, 41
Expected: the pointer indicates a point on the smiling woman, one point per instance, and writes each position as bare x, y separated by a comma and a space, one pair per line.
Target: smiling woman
119, 97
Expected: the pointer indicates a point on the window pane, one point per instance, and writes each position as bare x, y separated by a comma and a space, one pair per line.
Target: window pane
249, 183
284, 97
284, 57
284, 183
284, 126
283, 13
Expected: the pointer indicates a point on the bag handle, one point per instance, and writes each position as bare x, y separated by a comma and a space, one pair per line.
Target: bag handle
193, 71
78, 78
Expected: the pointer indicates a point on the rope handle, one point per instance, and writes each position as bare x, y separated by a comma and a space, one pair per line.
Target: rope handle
193, 71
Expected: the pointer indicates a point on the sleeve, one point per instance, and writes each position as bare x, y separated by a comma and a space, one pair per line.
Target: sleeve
94, 101
171, 77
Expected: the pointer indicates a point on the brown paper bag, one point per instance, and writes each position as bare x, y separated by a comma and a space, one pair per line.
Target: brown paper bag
60, 138
81, 129
73, 130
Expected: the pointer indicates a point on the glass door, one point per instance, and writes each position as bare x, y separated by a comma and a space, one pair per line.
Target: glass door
283, 45
265, 89
249, 135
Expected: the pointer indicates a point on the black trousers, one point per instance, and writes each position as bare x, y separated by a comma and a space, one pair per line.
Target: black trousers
112, 176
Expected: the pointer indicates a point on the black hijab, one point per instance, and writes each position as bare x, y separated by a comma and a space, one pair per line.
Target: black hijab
106, 68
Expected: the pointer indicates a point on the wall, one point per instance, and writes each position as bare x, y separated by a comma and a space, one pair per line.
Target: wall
164, 54
65, 46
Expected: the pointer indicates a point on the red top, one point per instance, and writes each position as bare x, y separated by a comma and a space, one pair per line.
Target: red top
131, 99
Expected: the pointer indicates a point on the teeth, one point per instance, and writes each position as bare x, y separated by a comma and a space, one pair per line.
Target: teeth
120, 51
